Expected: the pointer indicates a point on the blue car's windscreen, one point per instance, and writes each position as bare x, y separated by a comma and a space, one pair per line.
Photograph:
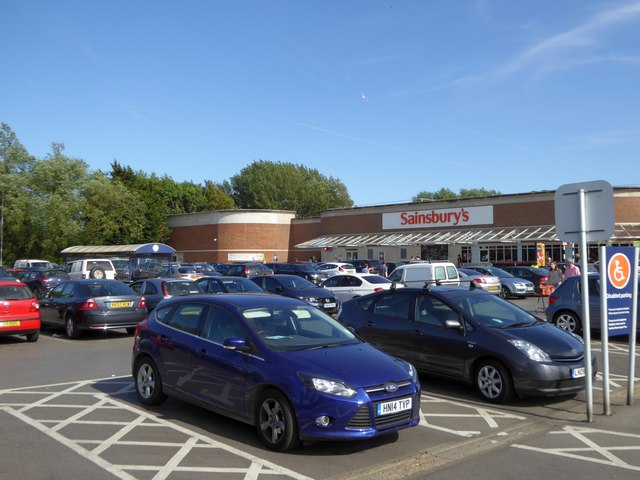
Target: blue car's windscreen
297, 328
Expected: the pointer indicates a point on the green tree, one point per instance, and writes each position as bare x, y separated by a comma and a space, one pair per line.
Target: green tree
16, 200
160, 197
111, 212
286, 186
217, 198
447, 194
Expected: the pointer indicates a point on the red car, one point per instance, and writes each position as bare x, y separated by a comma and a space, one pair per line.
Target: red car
19, 311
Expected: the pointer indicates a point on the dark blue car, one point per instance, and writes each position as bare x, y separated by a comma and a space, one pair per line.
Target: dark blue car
276, 363
565, 305
472, 336
297, 287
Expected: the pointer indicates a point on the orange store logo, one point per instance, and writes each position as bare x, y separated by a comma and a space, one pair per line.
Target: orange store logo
619, 270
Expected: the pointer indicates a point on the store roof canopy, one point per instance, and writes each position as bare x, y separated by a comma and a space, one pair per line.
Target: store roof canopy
544, 233
140, 249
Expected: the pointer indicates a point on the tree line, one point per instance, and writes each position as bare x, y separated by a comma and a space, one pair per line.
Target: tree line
57, 201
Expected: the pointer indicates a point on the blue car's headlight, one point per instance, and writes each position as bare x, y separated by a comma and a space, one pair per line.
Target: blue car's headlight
414, 374
530, 350
329, 386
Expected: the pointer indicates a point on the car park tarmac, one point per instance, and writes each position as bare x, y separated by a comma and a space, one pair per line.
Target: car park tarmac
70, 411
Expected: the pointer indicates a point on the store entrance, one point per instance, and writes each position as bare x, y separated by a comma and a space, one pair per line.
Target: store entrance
434, 252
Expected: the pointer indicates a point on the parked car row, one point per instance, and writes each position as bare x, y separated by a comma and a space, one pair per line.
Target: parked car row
510, 286
299, 389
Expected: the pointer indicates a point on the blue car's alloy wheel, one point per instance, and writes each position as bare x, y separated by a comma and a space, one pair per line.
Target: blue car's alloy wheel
277, 426
148, 382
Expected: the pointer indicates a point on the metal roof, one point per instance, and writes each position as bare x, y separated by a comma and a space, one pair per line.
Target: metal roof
139, 249
623, 232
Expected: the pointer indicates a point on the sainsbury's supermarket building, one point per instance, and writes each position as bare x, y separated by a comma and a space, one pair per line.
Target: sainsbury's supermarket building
496, 229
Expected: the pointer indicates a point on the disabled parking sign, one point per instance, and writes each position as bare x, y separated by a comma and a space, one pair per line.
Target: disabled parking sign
619, 289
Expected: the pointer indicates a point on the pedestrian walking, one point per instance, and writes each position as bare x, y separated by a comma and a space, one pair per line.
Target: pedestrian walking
555, 275
384, 271
571, 270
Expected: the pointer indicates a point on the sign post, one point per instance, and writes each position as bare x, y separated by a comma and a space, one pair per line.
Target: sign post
584, 212
618, 308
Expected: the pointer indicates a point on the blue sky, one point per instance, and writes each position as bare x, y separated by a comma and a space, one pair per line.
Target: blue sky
392, 98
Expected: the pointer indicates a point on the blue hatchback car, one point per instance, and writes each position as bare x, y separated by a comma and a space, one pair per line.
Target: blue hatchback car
274, 362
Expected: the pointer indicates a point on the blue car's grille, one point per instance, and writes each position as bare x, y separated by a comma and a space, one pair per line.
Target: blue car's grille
377, 390
393, 419
361, 419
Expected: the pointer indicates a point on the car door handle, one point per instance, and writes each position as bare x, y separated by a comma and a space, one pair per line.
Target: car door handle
370, 323
417, 333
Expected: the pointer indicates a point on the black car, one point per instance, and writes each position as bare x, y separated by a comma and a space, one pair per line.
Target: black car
41, 281
297, 287
534, 274
304, 270
205, 268
373, 265
92, 304
220, 267
248, 269
224, 284
154, 290
16, 276
472, 336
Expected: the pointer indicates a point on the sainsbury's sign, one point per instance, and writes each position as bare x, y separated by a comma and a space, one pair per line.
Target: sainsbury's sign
434, 218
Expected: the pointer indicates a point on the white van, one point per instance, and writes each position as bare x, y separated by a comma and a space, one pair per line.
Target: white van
97, 268
419, 274
33, 263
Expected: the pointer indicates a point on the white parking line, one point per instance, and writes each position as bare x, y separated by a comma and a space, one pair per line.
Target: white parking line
51, 398
488, 416
604, 454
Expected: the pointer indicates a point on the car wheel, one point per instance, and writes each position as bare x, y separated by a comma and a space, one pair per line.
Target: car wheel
33, 337
276, 422
97, 273
71, 328
493, 381
505, 293
148, 382
568, 321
